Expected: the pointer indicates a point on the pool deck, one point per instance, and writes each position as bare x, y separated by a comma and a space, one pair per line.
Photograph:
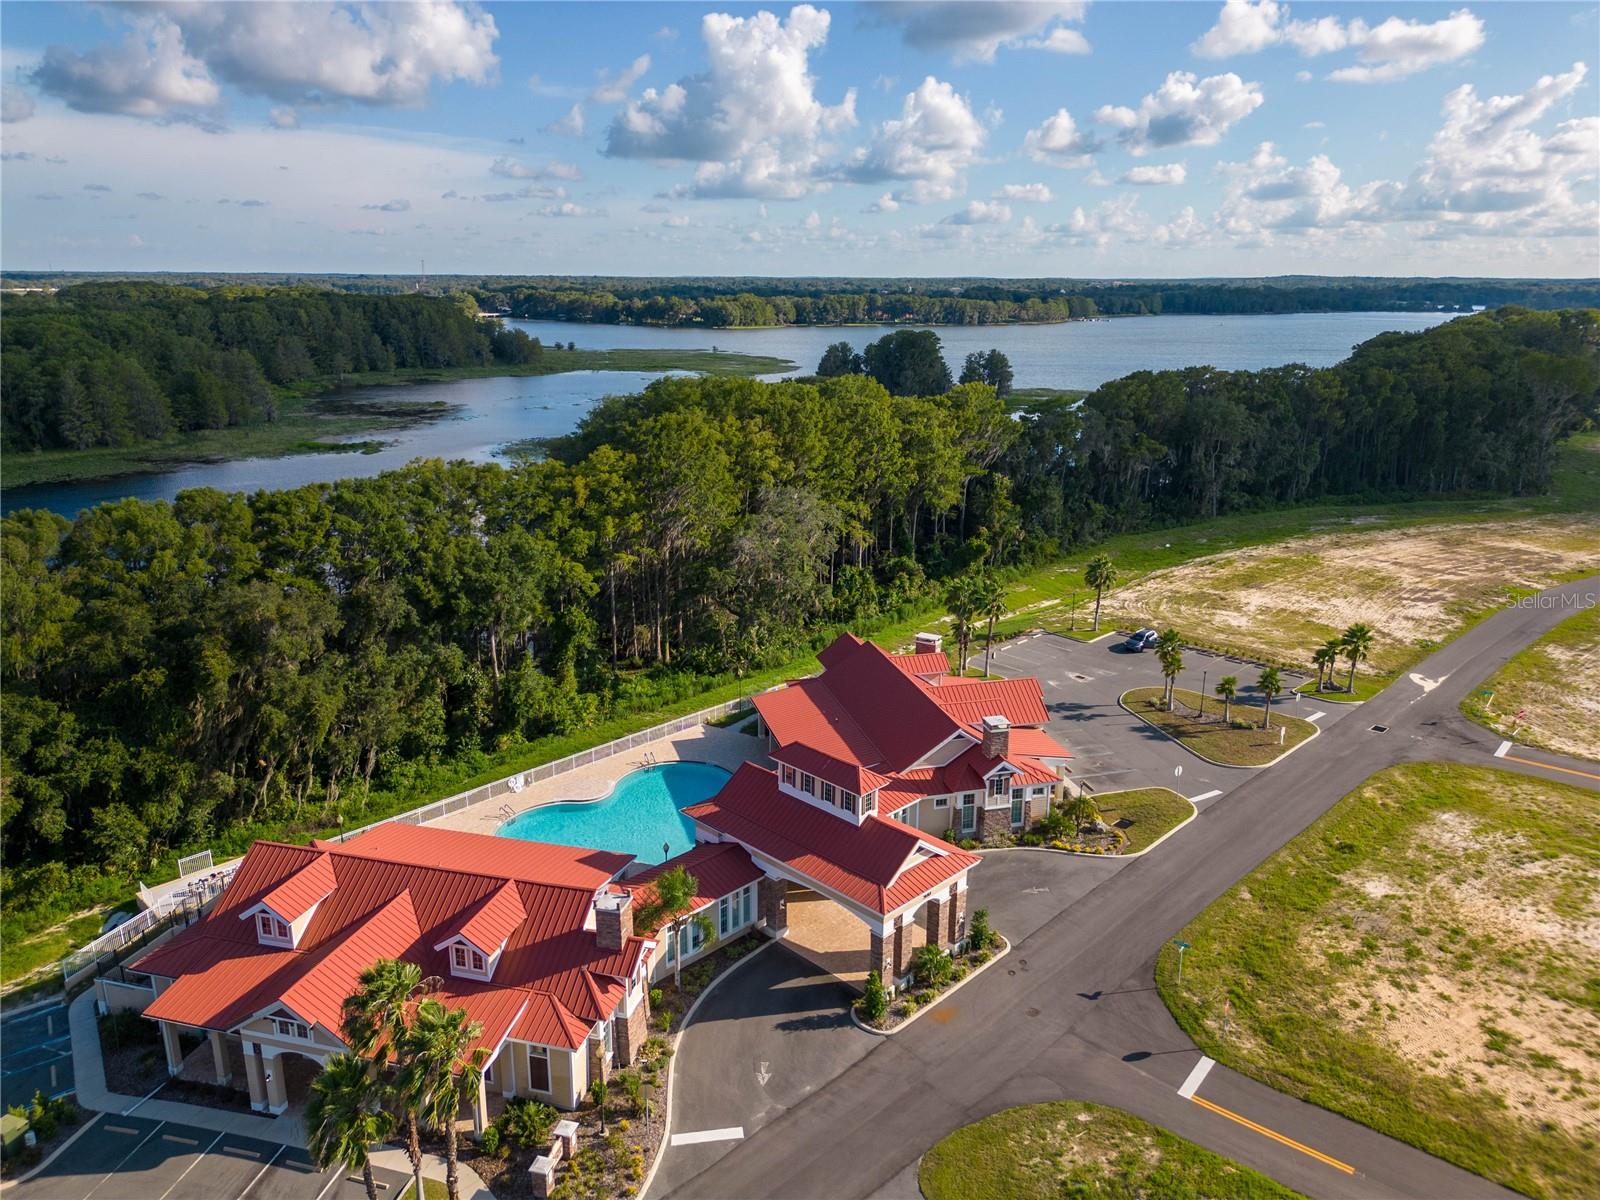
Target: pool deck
709, 744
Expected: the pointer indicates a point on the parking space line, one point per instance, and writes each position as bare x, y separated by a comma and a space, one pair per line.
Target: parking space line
257, 1178
1317, 716
1205, 795
197, 1158
330, 1183
124, 1161
733, 1133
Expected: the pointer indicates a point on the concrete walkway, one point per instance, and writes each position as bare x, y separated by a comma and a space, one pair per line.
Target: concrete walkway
288, 1129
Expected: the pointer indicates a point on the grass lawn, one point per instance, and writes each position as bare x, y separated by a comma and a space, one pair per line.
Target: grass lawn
1425, 959
1553, 682
1251, 746
1152, 811
308, 414
1367, 686
1067, 1149
432, 1189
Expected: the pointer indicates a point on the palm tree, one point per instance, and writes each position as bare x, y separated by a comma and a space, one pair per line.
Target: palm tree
1169, 650
376, 1018
1326, 655
1227, 688
675, 891
992, 605
1270, 685
962, 599
345, 1116
1099, 575
1356, 643
448, 1069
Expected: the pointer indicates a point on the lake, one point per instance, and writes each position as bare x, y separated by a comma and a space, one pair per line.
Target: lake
488, 414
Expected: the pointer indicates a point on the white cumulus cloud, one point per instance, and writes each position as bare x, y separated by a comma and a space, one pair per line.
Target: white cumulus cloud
980, 212
751, 120
1026, 193
569, 124
614, 86
929, 145
1059, 142
1184, 111
973, 30
1151, 175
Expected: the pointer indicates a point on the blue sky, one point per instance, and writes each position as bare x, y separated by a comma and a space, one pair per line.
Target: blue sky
990, 138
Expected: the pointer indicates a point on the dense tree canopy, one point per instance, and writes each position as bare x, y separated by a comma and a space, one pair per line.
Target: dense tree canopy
169, 671
114, 364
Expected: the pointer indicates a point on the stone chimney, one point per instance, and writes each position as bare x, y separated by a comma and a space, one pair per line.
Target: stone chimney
929, 643
613, 919
996, 737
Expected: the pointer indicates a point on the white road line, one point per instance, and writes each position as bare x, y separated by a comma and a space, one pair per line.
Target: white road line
1316, 716
261, 1172
125, 1157
1197, 1076
191, 1166
1501, 753
1205, 795
731, 1134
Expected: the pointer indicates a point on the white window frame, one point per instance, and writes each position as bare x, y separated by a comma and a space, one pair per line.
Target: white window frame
725, 906
539, 1054
271, 927
287, 1027
749, 905
808, 784
969, 812
476, 962
847, 801
1019, 807
788, 774
828, 792
998, 784
941, 801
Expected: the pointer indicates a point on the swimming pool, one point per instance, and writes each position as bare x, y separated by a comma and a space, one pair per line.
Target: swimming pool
641, 813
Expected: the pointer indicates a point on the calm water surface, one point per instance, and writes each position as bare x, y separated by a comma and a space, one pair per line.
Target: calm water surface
490, 413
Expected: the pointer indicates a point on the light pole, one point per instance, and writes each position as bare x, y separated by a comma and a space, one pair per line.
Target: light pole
1182, 946
1203, 675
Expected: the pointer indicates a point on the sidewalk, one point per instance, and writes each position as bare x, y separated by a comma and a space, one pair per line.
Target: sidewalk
289, 1130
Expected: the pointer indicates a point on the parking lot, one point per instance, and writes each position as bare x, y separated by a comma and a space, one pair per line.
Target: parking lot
1112, 749
135, 1158
35, 1055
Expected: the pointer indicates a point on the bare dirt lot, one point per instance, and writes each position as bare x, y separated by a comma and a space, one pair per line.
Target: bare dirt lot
1414, 587
1553, 685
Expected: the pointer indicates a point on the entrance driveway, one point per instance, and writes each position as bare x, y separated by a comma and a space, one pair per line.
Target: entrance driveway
135, 1158
1112, 749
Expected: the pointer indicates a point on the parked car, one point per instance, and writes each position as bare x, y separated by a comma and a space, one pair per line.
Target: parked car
1142, 640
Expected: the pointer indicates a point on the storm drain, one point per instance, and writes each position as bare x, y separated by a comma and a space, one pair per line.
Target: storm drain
1080, 678
1379, 728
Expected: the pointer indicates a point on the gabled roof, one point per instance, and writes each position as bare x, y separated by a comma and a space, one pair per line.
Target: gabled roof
400, 892
850, 776
717, 867
927, 663
968, 701
299, 893
490, 922
880, 864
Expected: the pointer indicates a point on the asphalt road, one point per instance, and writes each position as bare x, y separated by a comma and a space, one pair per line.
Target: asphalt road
135, 1158
1074, 1013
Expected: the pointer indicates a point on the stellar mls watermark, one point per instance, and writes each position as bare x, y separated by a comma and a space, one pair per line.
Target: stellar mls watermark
1572, 600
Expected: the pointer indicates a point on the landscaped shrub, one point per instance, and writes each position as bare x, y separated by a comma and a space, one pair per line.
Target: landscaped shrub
656, 995
874, 1002
527, 1123
490, 1141
931, 967
980, 936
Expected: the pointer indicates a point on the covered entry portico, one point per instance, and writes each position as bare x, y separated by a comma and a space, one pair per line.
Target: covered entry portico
852, 893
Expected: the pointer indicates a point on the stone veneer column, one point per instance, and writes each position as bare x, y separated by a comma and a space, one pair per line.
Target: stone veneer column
879, 960
774, 897
630, 1032
958, 911
598, 1067
934, 923
902, 947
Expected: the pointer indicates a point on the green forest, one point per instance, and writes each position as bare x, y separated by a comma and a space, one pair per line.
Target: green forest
116, 364
175, 673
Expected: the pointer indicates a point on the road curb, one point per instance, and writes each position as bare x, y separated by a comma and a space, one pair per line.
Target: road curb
943, 996
672, 1063
1317, 732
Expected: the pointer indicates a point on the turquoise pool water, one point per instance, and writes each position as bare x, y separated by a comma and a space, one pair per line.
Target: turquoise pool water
640, 814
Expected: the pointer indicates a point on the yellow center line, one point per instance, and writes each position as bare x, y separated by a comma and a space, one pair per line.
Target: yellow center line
1277, 1137
1530, 762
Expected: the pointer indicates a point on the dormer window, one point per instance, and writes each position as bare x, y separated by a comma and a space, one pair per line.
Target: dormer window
808, 784
466, 960
273, 929
827, 792
788, 775
1000, 784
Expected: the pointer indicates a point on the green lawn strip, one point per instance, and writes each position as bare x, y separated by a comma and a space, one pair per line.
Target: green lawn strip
1207, 736
1367, 686
1067, 1149
1295, 948
1548, 680
314, 410
1151, 811
432, 1189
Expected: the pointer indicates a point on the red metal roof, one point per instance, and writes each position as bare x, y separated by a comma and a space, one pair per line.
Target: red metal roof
295, 896
968, 701
492, 921
880, 864
927, 663
850, 776
719, 868
401, 890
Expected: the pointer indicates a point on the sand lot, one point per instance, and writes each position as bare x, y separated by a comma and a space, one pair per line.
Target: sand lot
1556, 683
1414, 586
